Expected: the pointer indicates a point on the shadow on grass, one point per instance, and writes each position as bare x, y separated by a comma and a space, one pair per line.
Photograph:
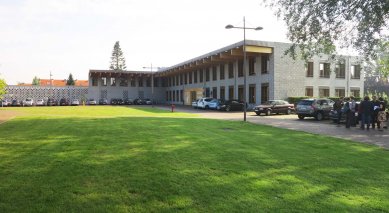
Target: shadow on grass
171, 164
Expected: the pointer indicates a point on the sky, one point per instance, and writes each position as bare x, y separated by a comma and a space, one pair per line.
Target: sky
73, 36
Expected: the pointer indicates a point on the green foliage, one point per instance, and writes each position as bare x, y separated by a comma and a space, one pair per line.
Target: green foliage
383, 58
70, 81
378, 94
294, 100
118, 62
147, 163
3, 85
36, 81
318, 26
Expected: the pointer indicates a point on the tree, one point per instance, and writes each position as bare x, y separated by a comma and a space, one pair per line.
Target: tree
70, 81
36, 81
2, 88
317, 26
118, 62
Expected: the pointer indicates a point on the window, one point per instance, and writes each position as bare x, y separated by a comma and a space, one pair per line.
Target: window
310, 69
156, 82
113, 82
177, 95
231, 92
174, 95
123, 82
94, 82
324, 92
148, 82
264, 92
252, 93
356, 71
230, 70
195, 76
207, 91
182, 95
173, 81
207, 74
240, 92
252, 66
340, 70
185, 78
324, 70
181, 79
167, 96
221, 71
140, 82
264, 63
222, 93
214, 73
340, 92
201, 76
355, 92
104, 81
132, 82
240, 68
214, 92
190, 77
309, 91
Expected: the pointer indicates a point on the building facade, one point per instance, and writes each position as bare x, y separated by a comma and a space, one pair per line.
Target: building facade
220, 74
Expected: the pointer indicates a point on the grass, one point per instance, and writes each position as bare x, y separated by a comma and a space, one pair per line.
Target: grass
117, 159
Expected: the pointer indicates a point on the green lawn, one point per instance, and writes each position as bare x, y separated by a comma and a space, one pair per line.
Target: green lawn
118, 159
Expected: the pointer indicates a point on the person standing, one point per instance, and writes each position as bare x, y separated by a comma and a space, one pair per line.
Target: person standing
338, 108
346, 110
376, 109
366, 108
352, 109
381, 116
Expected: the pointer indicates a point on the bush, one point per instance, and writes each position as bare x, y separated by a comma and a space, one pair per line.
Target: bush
294, 100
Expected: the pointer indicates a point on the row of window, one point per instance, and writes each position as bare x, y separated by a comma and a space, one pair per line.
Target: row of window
124, 82
339, 92
201, 75
340, 70
177, 95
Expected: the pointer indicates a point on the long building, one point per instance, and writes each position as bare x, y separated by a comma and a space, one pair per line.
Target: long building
270, 75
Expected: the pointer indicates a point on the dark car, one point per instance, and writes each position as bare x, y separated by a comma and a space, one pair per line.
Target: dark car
139, 101
103, 101
64, 102
274, 106
120, 101
16, 103
51, 102
128, 101
113, 101
231, 105
318, 108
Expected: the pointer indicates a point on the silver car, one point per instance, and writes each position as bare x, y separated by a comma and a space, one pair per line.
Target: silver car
318, 108
40, 102
28, 102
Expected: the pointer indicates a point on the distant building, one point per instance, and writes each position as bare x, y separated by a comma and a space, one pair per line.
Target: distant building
62, 83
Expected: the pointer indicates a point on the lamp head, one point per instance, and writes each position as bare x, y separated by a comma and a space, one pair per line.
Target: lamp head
259, 28
229, 26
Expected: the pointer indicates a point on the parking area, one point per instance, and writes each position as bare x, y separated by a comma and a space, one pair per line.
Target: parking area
310, 125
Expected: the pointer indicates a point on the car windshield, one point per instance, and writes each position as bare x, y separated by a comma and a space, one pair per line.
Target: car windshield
28, 99
305, 102
269, 102
208, 99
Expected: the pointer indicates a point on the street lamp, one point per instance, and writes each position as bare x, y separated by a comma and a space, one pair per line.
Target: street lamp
152, 83
244, 60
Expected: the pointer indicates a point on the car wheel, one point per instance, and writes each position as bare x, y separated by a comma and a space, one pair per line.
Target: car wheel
288, 112
301, 117
258, 113
268, 112
319, 116
228, 108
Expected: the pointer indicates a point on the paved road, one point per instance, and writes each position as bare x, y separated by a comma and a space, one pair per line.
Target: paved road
379, 138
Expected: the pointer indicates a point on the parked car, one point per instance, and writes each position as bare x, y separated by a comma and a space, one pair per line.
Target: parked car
318, 108
139, 101
6, 103
215, 104
147, 101
120, 101
92, 101
16, 103
28, 102
128, 101
51, 102
204, 103
274, 106
103, 101
231, 105
194, 103
40, 102
75, 102
64, 102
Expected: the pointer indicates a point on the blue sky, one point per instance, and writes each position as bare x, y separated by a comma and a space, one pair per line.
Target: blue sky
73, 36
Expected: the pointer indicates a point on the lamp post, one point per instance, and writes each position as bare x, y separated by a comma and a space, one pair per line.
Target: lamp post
244, 60
152, 83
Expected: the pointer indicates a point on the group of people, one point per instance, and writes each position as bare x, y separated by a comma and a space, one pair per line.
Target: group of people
370, 112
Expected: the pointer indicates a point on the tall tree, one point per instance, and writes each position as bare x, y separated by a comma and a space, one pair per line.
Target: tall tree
70, 81
118, 62
2, 88
317, 26
36, 81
